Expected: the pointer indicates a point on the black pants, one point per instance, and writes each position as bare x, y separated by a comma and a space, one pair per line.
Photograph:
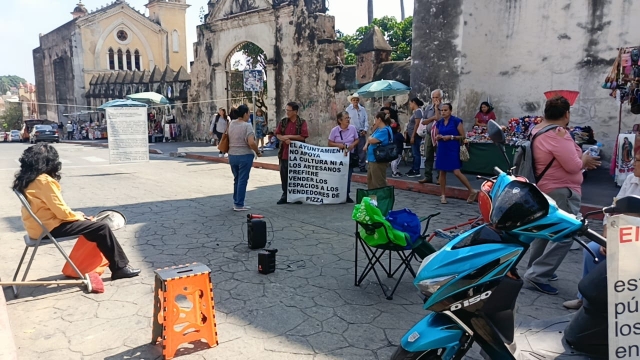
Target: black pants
99, 233
284, 176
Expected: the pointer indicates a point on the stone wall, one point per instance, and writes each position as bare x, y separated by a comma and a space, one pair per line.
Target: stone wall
301, 50
513, 51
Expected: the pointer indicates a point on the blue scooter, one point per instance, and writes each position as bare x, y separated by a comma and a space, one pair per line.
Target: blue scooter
471, 285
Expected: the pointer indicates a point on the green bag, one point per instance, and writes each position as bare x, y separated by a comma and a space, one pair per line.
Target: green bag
375, 234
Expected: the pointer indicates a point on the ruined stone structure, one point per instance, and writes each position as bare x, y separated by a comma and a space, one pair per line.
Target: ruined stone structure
513, 51
112, 39
299, 41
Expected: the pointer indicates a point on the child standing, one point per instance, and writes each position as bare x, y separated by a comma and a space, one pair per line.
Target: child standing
261, 128
398, 140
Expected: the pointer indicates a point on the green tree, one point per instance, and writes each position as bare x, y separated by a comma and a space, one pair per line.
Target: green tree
8, 81
255, 58
398, 34
11, 119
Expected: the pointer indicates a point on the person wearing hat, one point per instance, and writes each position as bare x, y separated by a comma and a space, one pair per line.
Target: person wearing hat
360, 120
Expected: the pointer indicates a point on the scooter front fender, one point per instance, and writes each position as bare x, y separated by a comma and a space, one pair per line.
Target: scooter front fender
435, 331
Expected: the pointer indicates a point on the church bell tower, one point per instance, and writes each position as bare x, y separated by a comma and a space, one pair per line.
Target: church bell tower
171, 15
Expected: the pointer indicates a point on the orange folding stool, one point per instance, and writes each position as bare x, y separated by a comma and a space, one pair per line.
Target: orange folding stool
183, 308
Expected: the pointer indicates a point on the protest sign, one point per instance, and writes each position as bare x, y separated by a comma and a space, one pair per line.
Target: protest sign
128, 134
623, 282
317, 175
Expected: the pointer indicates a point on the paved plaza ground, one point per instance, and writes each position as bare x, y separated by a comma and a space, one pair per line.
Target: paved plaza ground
179, 211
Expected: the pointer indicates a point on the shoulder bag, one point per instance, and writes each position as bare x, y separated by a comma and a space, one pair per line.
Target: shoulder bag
386, 153
223, 145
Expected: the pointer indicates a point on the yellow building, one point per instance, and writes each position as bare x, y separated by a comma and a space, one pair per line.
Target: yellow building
114, 37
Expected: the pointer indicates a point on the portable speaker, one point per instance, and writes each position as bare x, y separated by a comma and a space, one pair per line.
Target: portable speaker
267, 261
256, 233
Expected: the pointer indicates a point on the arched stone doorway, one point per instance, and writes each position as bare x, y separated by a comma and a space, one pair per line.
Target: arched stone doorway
301, 58
246, 56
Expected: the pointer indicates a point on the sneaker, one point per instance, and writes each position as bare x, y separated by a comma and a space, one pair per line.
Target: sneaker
554, 277
221, 155
573, 304
425, 181
396, 175
412, 173
241, 208
350, 200
544, 288
282, 201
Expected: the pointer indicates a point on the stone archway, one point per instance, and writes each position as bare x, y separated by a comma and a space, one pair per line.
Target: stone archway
301, 57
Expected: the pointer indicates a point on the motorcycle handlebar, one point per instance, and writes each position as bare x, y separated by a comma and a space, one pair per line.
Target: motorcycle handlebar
594, 236
497, 170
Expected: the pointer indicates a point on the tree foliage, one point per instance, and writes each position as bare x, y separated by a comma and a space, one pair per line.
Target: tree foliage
8, 81
11, 119
397, 33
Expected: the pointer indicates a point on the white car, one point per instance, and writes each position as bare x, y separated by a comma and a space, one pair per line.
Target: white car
15, 136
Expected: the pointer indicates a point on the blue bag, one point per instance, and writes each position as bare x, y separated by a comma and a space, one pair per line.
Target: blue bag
406, 221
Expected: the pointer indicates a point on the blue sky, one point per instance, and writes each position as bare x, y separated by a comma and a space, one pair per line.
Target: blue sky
21, 22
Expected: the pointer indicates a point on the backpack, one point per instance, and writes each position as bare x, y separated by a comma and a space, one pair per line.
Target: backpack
523, 160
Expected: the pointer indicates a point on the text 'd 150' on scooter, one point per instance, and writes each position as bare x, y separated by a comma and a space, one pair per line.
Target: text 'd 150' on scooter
471, 285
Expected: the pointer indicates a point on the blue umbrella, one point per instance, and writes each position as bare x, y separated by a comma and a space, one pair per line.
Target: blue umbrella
121, 103
383, 88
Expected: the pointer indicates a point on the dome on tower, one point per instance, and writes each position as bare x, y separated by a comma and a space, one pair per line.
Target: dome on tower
79, 10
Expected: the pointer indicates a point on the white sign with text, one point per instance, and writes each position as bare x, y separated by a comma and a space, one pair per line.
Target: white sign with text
623, 282
127, 134
317, 175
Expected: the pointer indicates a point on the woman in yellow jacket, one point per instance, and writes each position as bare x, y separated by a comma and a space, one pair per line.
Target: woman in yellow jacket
37, 180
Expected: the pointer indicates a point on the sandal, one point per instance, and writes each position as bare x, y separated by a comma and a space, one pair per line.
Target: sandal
472, 197
443, 199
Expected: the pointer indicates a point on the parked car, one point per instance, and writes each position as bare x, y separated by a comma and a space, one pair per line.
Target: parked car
15, 136
4, 136
44, 133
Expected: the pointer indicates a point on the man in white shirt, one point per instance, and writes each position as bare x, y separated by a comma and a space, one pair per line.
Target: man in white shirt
69, 131
360, 120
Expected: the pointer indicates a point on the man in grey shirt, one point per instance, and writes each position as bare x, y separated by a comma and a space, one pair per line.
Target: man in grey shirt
360, 120
431, 115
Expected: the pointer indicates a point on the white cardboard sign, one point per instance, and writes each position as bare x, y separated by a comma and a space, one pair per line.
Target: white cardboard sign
128, 134
623, 282
317, 175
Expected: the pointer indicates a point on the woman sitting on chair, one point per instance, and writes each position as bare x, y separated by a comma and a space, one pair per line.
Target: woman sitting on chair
37, 180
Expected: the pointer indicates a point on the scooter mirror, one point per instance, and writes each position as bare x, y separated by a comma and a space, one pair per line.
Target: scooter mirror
625, 205
495, 132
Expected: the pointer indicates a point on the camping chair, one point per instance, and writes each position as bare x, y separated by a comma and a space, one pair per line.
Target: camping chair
385, 198
35, 244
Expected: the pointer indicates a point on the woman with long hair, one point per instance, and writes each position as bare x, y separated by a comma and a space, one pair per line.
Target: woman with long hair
38, 180
242, 146
382, 135
485, 113
345, 137
219, 125
449, 132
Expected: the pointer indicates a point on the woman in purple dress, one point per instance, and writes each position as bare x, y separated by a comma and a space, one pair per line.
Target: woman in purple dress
449, 133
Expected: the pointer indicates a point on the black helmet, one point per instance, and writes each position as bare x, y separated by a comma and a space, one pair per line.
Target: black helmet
520, 203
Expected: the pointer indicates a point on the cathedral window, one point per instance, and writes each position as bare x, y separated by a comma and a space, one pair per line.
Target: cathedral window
120, 60
136, 59
176, 41
112, 64
128, 57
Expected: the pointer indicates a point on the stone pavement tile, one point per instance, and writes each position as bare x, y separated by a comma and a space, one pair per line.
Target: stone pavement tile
307, 309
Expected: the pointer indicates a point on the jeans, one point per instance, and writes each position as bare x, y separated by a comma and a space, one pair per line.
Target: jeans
415, 152
240, 167
588, 263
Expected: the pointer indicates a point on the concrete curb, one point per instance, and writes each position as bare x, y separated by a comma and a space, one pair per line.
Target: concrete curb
8, 349
103, 145
429, 189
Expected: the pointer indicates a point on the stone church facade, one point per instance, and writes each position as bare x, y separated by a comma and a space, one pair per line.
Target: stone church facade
105, 47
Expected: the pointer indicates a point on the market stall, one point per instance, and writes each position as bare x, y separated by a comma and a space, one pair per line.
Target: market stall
623, 81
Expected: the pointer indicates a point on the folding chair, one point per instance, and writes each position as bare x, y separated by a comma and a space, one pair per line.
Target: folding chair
35, 244
385, 198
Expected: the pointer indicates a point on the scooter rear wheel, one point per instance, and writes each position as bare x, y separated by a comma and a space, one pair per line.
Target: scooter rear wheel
402, 354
